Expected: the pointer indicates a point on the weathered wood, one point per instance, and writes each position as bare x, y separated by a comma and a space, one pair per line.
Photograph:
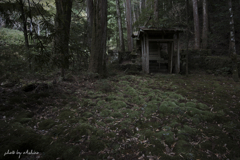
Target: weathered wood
151, 50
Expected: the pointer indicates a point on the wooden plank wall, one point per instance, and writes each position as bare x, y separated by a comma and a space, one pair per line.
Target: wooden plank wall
170, 42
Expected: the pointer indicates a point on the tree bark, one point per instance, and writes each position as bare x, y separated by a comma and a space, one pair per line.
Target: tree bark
89, 21
122, 47
142, 5
97, 62
196, 25
187, 16
62, 31
232, 46
30, 16
24, 24
25, 31
205, 25
38, 28
129, 25
1, 20
137, 12
156, 10
134, 14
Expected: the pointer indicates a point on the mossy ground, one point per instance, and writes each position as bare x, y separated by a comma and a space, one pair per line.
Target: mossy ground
125, 117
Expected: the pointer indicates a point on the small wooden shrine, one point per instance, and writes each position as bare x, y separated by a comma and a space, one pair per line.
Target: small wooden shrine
157, 49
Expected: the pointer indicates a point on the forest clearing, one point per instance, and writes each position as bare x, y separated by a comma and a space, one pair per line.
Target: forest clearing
161, 116
119, 80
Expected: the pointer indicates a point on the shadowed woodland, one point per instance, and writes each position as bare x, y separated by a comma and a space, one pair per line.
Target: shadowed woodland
119, 79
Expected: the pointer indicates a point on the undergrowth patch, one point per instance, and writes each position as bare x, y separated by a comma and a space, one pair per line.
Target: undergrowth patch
162, 117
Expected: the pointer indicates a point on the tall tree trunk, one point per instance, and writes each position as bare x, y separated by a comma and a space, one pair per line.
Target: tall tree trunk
232, 46
196, 25
62, 29
24, 24
137, 12
129, 25
38, 28
25, 31
1, 20
142, 5
30, 16
97, 62
89, 21
187, 15
156, 10
134, 14
205, 25
122, 47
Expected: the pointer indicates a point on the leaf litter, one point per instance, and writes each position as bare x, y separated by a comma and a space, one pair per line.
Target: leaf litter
126, 117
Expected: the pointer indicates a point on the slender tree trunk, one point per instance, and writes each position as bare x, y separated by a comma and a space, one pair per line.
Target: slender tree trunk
38, 29
24, 24
30, 15
124, 10
25, 31
90, 22
196, 25
156, 10
137, 12
134, 14
232, 47
97, 62
205, 25
62, 29
129, 25
187, 15
122, 47
1, 20
142, 5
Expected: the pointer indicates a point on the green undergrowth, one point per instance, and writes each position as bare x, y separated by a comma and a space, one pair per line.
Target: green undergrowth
126, 116
11, 36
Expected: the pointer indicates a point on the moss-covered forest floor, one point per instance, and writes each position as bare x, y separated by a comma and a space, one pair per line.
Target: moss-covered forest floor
151, 117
